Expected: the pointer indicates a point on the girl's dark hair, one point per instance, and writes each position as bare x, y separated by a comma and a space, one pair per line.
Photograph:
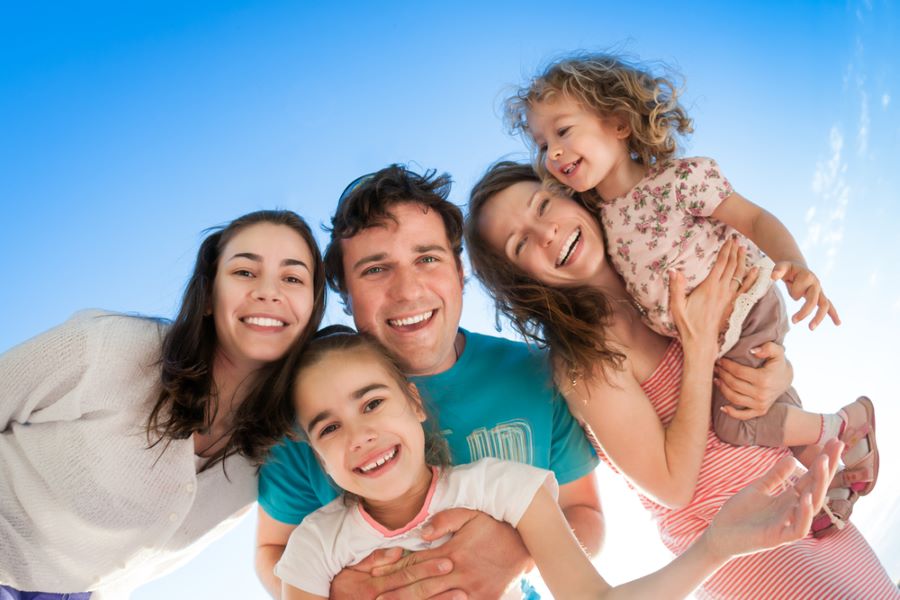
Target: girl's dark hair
188, 400
570, 321
340, 338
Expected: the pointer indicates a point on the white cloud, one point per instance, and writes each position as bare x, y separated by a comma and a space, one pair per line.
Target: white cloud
862, 134
873, 279
885, 100
825, 220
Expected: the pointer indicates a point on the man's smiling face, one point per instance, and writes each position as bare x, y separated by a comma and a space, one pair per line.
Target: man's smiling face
405, 287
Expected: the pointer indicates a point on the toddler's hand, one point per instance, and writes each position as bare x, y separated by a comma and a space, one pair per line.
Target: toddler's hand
803, 283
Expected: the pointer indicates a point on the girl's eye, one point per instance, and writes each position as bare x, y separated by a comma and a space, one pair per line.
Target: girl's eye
328, 429
372, 404
542, 207
520, 245
562, 131
542, 148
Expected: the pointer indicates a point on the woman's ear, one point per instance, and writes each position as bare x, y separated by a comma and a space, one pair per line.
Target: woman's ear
415, 399
622, 128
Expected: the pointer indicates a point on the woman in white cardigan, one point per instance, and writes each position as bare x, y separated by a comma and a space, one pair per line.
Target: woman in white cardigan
128, 444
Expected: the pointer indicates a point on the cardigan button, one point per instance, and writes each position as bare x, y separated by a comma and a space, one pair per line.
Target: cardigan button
173, 517
189, 488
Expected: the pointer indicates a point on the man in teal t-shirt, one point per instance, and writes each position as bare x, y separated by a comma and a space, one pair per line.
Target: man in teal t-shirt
394, 257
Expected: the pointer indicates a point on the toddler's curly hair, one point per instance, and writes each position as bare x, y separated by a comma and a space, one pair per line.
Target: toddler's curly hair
608, 85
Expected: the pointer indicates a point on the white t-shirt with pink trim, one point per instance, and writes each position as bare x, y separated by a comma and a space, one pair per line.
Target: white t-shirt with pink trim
341, 534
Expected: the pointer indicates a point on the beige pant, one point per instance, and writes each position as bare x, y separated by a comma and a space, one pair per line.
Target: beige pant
766, 322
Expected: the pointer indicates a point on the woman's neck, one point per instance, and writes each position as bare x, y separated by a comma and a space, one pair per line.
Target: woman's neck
396, 513
622, 177
228, 390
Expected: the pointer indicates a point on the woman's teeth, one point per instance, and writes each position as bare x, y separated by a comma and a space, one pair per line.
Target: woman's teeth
263, 322
566, 251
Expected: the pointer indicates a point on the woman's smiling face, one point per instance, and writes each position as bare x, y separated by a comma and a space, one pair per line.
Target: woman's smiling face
549, 236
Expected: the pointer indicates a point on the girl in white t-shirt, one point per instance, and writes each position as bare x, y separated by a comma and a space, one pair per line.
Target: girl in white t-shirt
365, 420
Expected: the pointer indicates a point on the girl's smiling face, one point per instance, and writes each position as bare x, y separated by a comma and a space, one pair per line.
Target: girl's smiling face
549, 236
364, 424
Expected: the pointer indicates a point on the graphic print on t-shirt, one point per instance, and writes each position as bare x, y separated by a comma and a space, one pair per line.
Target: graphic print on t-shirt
510, 440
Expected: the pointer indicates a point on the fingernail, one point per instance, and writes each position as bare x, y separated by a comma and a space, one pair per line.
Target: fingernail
754, 350
427, 530
394, 552
444, 566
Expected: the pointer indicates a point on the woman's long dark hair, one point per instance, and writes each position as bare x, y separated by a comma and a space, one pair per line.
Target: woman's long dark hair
188, 400
570, 321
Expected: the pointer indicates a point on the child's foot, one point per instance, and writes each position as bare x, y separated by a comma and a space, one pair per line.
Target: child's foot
860, 454
835, 513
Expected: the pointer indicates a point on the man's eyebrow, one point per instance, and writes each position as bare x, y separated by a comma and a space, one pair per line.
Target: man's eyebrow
357, 395
369, 259
430, 248
287, 262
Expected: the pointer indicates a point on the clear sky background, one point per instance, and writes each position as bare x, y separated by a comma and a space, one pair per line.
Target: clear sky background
128, 128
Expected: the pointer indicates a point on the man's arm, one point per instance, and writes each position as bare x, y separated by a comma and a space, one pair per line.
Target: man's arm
271, 538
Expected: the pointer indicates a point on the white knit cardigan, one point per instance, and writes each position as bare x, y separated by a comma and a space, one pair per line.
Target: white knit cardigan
84, 504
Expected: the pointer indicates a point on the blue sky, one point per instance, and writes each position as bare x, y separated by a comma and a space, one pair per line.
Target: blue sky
128, 128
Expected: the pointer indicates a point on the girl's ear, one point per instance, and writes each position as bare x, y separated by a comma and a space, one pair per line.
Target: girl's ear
622, 128
415, 399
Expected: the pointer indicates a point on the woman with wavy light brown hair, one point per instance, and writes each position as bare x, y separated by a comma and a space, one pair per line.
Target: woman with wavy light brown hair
129, 443
646, 398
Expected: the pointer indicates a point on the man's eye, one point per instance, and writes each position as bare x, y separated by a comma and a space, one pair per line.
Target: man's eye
429, 259
373, 404
373, 270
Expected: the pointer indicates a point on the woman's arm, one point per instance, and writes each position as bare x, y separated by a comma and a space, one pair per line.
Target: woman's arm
665, 461
756, 518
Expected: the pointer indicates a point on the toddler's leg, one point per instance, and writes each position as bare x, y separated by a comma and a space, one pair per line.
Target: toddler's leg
766, 322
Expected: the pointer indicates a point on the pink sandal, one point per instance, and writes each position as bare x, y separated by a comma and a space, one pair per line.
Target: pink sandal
862, 475
834, 516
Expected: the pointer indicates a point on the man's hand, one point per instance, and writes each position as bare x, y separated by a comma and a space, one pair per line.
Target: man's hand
385, 571
754, 389
481, 559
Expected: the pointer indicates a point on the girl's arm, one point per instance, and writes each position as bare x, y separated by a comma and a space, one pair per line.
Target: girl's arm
773, 238
289, 592
752, 520
665, 461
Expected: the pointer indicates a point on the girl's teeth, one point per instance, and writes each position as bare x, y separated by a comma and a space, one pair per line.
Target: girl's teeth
263, 322
378, 462
411, 320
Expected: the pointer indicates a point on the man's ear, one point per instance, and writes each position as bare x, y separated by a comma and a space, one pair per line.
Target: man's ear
415, 399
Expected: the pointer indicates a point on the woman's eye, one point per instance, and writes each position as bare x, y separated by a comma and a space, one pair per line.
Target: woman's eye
373, 404
243, 273
292, 279
520, 245
542, 207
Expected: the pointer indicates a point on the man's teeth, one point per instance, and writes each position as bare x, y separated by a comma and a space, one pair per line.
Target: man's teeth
411, 320
379, 461
567, 248
263, 321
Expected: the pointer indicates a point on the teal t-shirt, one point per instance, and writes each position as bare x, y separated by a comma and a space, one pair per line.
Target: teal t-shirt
498, 400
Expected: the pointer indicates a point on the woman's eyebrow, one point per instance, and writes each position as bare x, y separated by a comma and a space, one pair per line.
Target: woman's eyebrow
287, 262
